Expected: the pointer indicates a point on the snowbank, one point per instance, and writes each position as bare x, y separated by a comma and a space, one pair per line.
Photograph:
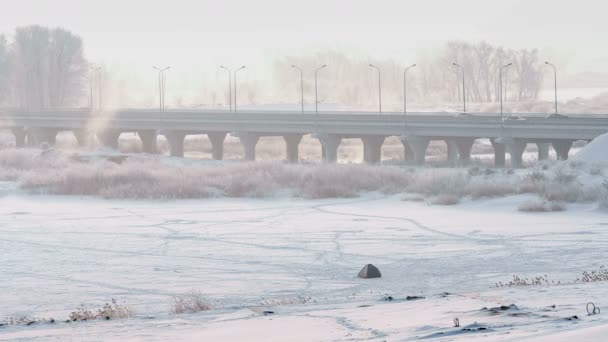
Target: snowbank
595, 151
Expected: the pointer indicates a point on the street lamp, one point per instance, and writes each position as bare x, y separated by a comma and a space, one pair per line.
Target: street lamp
405, 89
301, 85
229, 85
101, 87
500, 87
161, 86
316, 93
91, 76
379, 87
555, 74
464, 98
237, 70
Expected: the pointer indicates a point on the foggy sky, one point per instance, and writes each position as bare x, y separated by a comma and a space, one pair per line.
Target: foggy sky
188, 32
194, 37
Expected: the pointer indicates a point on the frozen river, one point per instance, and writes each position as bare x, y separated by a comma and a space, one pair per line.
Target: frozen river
62, 252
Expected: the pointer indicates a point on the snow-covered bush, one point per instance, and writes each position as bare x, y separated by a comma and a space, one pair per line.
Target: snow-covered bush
191, 302
541, 206
153, 177
446, 199
111, 310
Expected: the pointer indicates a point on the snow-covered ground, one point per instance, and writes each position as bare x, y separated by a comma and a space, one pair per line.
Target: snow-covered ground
299, 259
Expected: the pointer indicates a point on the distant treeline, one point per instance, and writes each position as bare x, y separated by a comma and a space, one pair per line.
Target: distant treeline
350, 80
42, 68
45, 68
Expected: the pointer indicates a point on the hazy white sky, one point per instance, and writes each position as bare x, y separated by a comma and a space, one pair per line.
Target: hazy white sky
196, 36
187, 32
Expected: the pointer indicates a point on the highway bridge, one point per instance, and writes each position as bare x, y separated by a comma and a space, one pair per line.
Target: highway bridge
415, 130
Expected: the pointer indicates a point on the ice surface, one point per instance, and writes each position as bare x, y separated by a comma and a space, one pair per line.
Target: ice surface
247, 256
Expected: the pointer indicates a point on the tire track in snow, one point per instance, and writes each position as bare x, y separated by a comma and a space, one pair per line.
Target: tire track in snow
417, 224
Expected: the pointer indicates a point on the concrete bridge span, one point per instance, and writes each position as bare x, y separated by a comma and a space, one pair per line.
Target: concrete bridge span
415, 130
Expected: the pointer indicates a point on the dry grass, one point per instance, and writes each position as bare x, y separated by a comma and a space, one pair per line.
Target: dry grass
288, 301
596, 275
111, 310
600, 274
521, 281
191, 302
24, 320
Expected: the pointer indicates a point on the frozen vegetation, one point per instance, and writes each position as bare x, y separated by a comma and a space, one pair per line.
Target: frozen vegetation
148, 177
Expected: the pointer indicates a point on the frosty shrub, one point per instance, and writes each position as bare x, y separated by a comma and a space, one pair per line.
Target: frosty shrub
111, 310
596, 169
603, 195
190, 302
435, 182
541, 206
446, 199
490, 188
564, 177
154, 177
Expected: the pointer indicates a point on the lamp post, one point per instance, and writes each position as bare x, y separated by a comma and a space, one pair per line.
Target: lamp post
555, 82
379, 88
405, 90
316, 93
229, 85
506, 84
100, 79
161, 86
237, 70
301, 85
464, 98
92, 75
500, 87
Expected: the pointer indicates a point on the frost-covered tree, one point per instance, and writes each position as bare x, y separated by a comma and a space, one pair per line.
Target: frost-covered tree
48, 67
5, 70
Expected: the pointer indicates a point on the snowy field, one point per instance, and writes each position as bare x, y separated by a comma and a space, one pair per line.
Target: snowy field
465, 254
299, 259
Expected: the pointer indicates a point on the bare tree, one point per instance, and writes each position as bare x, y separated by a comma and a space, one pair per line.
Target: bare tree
5, 69
49, 67
529, 75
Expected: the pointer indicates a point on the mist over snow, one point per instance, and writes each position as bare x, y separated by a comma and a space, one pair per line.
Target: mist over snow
395, 171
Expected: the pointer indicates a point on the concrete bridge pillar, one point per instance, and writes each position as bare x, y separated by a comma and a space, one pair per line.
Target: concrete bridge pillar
452, 151
516, 148
464, 146
176, 143
19, 134
418, 146
249, 141
499, 153
82, 136
408, 153
330, 144
562, 148
148, 141
217, 144
42, 135
543, 151
292, 142
372, 148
